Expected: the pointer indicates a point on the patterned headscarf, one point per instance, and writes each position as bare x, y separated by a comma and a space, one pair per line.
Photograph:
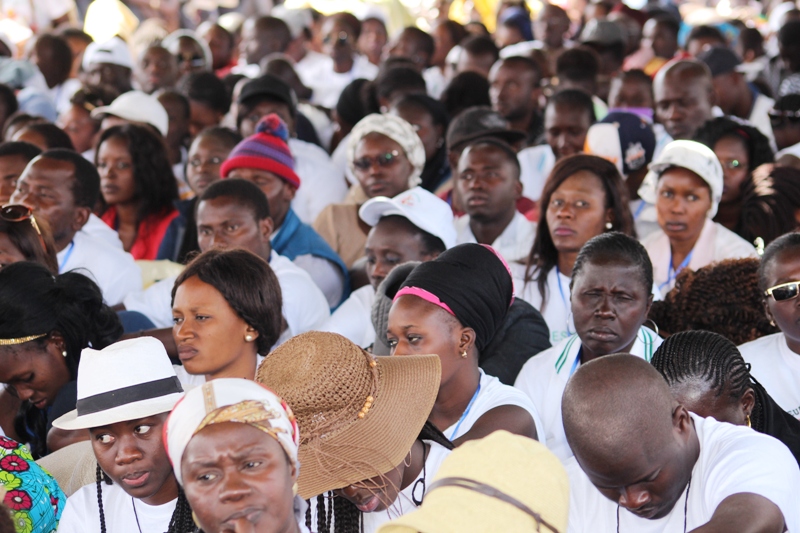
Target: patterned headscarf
397, 130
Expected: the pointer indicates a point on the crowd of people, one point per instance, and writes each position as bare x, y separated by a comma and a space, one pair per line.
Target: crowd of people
498, 266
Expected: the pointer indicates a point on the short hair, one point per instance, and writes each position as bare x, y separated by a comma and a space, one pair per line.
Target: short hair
77, 33
616, 247
456, 30
27, 150
277, 28
208, 89
398, 79
574, 99
431, 244
9, 99
423, 40
465, 90
228, 137
636, 75
789, 34
242, 192
428, 105
705, 31
54, 137
669, 22
171, 95
578, 64
350, 20
62, 53
523, 63
504, 147
790, 241
86, 188
751, 39
480, 45
249, 286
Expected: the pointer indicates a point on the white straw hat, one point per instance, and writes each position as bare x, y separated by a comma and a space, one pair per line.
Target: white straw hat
423, 209
125, 381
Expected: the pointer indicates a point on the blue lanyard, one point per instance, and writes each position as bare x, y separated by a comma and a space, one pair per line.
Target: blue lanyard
577, 362
66, 257
563, 298
673, 273
469, 406
639, 209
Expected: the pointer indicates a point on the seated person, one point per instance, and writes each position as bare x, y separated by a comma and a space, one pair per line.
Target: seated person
14, 157
415, 225
264, 159
135, 487
645, 463
62, 188
489, 186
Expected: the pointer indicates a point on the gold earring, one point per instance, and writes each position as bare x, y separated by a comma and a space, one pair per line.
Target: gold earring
463, 354
294, 489
748, 421
248, 338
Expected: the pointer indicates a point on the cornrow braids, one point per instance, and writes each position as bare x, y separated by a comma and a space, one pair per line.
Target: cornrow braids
180, 522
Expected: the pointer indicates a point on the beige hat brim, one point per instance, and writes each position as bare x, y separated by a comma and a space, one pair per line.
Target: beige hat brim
376, 444
122, 413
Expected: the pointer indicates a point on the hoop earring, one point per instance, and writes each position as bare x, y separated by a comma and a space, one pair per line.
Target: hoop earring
655, 326
407, 464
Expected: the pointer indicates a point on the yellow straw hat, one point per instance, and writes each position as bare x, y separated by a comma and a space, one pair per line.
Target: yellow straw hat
358, 414
502, 482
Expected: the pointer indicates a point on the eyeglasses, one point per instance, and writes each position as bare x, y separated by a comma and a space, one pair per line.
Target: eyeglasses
341, 38
196, 61
784, 291
19, 213
383, 160
779, 118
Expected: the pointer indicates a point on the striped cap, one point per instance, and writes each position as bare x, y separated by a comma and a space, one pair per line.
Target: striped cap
266, 149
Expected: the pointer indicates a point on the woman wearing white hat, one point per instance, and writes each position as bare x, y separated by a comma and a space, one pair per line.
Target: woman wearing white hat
234, 446
685, 184
125, 393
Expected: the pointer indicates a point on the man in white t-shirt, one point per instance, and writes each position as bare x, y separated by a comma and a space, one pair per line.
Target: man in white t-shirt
489, 186
650, 466
62, 188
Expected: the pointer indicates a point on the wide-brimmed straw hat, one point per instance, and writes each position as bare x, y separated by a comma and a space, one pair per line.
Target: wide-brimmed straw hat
358, 414
127, 380
502, 482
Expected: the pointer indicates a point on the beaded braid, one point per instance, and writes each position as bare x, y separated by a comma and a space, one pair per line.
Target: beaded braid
181, 521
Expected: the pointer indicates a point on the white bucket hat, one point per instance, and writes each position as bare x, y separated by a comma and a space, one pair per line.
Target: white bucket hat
692, 156
137, 106
125, 381
422, 208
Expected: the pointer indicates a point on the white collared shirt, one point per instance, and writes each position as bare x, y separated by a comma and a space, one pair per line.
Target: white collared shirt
777, 368
514, 244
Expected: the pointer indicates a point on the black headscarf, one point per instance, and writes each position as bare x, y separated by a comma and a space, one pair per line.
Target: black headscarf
473, 282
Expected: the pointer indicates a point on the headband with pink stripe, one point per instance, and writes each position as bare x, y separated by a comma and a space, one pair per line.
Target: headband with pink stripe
425, 295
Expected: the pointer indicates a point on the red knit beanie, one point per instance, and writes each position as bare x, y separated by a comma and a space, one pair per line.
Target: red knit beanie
265, 150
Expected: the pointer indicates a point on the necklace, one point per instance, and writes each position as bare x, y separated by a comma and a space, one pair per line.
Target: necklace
685, 507
133, 504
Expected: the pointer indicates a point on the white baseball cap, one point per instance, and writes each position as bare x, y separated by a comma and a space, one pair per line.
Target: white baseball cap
692, 156
137, 106
422, 208
114, 51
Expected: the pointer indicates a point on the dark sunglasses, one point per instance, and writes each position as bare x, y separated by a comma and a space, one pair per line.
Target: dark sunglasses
195, 61
779, 118
20, 213
784, 291
382, 160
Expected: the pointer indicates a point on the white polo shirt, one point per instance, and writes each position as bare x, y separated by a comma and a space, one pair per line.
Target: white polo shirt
113, 269
733, 460
514, 244
557, 311
544, 377
100, 230
777, 368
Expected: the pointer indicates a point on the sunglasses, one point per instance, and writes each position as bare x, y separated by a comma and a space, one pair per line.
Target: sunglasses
784, 291
383, 160
779, 118
195, 61
20, 213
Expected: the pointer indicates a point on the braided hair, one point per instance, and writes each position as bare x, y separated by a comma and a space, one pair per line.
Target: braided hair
181, 521
345, 515
710, 357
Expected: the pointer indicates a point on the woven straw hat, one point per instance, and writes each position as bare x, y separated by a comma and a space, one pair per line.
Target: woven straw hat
358, 414
502, 482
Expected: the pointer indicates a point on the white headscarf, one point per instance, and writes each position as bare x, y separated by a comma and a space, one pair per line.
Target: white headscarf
397, 130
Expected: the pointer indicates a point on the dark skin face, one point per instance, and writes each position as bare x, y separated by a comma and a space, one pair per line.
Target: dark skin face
220, 43
700, 397
80, 126
732, 153
46, 186
257, 43
682, 203
551, 26
443, 43
514, 92
133, 455
407, 46
389, 244
115, 166
630, 93
609, 303
238, 478
190, 56
248, 122
110, 77
201, 117
430, 133
157, 69
224, 224
565, 129
9, 253
338, 42
487, 182
660, 38
683, 102
279, 193
35, 371
389, 180
206, 155
178, 122
47, 60
783, 268
11, 167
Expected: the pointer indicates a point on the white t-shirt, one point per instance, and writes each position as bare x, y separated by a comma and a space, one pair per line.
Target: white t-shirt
544, 377
190, 381
759, 116
353, 319
514, 244
82, 515
733, 460
328, 85
535, 165
405, 499
100, 230
321, 183
114, 270
557, 312
493, 393
435, 81
304, 305
777, 368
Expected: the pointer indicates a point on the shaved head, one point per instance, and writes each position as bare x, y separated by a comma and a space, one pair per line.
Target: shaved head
684, 95
634, 441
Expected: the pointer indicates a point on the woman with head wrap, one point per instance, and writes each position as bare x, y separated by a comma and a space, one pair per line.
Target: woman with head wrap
453, 306
386, 156
233, 446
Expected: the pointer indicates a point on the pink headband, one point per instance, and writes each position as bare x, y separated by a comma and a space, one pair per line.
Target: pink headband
425, 295
505, 264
